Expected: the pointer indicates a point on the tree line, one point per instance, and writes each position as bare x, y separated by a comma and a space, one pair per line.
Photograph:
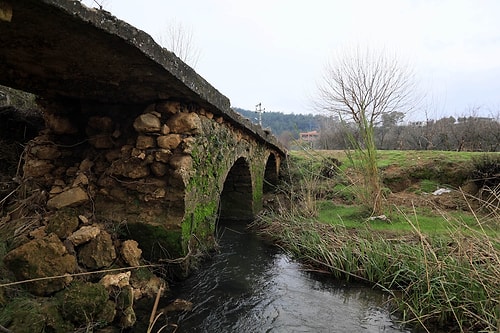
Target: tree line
468, 133
465, 133
280, 122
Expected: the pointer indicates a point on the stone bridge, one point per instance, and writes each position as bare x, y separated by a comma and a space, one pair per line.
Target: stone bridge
134, 137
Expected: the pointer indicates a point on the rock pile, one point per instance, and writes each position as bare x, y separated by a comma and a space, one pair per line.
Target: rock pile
115, 172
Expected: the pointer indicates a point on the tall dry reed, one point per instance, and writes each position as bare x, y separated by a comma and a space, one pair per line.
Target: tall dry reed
451, 280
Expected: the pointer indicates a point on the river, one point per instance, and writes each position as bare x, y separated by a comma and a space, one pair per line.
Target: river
251, 286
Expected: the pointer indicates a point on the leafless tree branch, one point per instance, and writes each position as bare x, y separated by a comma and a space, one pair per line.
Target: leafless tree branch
178, 38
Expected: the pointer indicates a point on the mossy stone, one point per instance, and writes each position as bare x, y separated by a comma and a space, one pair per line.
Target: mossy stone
24, 315
63, 223
156, 241
125, 298
84, 302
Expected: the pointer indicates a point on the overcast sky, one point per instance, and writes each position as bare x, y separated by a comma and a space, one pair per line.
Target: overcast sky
274, 51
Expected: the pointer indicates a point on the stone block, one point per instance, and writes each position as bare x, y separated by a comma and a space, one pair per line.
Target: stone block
60, 125
102, 124
46, 152
185, 123
145, 142
101, 141
37, 168
70, 198
131, 168
62, 223
119, 280
86, 165
113, 155
181, 162
131, 253
170, 141
188, 144
98, 252
159, 169
147, 123
40, 258
162, 155
168, 107
84, 234
164, 130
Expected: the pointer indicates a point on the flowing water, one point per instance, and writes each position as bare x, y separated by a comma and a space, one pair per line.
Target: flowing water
251, 286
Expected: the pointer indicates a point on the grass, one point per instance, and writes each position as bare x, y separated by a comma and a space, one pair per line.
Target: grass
441, 266
428, 186
401, 158
404, 159
400, 220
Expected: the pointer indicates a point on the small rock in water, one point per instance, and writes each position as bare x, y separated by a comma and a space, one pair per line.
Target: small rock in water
178, 305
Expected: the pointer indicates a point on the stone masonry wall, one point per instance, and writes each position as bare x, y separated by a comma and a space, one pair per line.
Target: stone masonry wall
155, 171
126, 183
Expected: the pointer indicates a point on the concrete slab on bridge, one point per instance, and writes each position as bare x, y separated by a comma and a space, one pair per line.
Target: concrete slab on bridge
63, 49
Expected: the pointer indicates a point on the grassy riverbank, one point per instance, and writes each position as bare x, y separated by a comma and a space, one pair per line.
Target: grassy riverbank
442, 264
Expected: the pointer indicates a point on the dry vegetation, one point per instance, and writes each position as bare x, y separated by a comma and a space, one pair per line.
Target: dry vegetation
439, 256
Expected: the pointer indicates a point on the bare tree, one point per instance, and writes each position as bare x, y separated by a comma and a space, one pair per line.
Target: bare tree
100, 4
361, 87
178, 38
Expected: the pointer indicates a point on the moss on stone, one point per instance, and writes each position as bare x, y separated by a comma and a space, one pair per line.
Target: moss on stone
84, 302
141, 274
155, 241
125, 298
203, 190
201, 222
63, 222
26, 315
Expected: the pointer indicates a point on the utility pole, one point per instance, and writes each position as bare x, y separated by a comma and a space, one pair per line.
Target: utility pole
260, 110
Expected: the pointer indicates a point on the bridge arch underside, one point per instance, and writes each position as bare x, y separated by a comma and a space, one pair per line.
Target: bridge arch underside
270, 174
236, 200
240, 198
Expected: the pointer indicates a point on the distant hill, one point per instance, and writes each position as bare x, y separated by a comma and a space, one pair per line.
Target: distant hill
280, 122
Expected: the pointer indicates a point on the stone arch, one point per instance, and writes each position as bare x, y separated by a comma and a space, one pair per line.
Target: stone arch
236, 199
270, 174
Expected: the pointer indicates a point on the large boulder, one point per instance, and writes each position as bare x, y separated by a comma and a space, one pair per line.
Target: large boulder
85, 302
41, 258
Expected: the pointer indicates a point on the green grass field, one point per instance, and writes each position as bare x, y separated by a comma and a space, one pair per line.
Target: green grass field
336, 197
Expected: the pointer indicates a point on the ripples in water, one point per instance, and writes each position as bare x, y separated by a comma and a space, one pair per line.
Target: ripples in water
251, 286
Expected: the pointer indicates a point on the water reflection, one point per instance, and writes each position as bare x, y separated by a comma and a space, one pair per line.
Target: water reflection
251, 286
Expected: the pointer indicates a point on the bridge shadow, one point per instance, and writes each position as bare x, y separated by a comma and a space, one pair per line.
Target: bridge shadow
270, 175
237, 197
